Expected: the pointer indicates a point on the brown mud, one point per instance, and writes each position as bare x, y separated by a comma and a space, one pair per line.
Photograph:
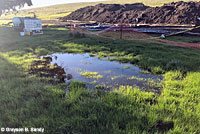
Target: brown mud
44, 68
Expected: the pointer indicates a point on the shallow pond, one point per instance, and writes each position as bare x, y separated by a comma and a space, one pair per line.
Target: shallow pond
110, 74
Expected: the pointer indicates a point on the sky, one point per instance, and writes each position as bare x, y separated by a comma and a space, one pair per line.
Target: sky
42, 3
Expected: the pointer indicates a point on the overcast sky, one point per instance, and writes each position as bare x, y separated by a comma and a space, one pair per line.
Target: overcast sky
42, 3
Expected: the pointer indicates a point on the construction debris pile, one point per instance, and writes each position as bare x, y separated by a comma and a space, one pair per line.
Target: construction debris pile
173, 13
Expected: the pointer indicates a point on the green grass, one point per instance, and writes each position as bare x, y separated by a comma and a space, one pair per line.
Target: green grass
154, 57
127, 67
188, 39
135, 78
4, 22
30, 101
94, 75
51, 12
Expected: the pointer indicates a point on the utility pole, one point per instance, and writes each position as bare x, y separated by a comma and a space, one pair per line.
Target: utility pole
71, 28
121, 31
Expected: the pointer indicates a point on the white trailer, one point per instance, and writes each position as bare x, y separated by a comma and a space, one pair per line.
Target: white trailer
28, 25
33, 26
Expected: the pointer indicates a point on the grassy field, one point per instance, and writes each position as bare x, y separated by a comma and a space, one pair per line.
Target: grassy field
49, 13
30, 101
189, 39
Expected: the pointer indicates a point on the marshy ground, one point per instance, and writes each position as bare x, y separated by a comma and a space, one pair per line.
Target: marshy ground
102, 72
30, 101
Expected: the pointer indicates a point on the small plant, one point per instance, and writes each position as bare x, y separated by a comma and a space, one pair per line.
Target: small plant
115, 77
41, 51
135, 78
144, 72
92, 54
94, 75
157, 70
93, 82
126, 67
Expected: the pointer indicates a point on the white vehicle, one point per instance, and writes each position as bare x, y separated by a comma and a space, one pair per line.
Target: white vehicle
198, 22
92, 25
28, 25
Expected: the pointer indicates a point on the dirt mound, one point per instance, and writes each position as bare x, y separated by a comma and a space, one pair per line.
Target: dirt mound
173, 13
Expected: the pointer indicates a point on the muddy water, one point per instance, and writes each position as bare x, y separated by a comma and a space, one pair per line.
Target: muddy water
113, 73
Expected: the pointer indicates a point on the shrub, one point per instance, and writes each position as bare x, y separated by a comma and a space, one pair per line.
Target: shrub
41, 51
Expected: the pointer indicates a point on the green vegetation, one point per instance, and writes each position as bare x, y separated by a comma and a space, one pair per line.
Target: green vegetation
49, 13
144, 72
46, 13
94, 75
189, 39
4, 22
30, 101
126, 67
115, 77
135, 78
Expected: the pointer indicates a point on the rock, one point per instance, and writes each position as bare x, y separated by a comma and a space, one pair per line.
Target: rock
69, 76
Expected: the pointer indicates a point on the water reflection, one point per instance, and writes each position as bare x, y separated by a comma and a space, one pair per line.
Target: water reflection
113, 73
